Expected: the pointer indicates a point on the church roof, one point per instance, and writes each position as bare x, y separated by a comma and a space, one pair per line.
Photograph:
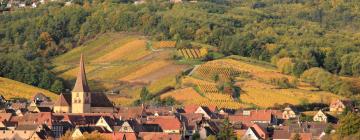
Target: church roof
81, 82
64, 100
100, 100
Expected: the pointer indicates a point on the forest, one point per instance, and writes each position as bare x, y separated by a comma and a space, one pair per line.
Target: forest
295, 35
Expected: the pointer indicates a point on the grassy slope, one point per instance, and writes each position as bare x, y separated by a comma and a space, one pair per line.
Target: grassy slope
112, 59
14, 89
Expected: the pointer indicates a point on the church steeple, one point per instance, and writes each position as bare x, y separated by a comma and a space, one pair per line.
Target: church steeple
81, 82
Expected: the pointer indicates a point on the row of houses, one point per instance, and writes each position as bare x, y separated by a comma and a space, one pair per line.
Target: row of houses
37, 120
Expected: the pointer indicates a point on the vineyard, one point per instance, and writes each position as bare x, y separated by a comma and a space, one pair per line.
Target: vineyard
13, 89
193, 53
253, 81
190, 96
114, 59
164, 44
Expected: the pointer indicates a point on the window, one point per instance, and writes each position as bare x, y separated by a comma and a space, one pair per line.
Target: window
77, 94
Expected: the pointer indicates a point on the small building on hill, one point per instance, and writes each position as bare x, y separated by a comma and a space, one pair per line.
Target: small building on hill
340, 105
288, 113
320, 117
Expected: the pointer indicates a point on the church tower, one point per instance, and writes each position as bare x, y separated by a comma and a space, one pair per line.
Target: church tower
80, 95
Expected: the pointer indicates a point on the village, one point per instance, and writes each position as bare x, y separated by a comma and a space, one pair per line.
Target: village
83, 112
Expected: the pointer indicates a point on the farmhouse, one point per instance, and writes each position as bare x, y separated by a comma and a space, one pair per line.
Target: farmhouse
339, 105
81, 99
320, 117
288, 113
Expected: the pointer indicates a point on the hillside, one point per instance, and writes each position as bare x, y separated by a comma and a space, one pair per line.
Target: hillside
121, 63
255, 81
13, 89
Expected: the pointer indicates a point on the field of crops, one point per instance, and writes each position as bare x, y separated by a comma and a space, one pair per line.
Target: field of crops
13, 89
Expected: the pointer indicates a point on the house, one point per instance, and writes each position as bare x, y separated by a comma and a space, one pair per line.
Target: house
121, 136
286, 135
190, 123
175, 1
315, 128
137, 2
129, 126
320, 116
159, 111
107, 122
82, 99
339, 105
63, 104
256, 132
40, 109
159, 136
288, 113
31, 132
2, 99
4, 120
169, 124
40, 97
249, 117
79, 131
127, 113
209, 127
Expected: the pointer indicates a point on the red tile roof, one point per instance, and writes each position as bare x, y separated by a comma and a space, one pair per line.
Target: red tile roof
253, 116
165, 122
190, 108
159, 136
5, 116
121, 136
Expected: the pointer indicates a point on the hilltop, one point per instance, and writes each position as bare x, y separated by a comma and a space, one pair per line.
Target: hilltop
14, 89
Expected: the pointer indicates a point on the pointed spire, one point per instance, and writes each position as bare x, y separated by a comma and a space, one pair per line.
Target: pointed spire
81, 82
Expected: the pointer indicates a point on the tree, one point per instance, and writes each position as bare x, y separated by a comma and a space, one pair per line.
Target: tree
331, 63
296, 137
298, 68
57, 86
145, 95
285, 65
349, 125
226, 131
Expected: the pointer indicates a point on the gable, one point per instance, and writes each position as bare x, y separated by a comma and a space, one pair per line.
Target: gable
250, 134
104, 123
126, 127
